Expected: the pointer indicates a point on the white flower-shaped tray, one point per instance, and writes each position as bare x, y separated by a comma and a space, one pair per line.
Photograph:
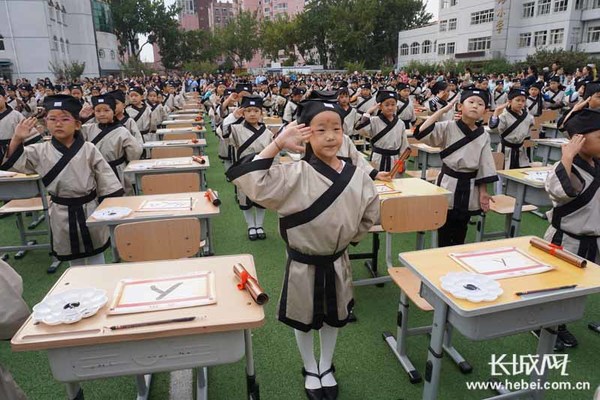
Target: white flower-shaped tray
111, 213
70, 306
470, 286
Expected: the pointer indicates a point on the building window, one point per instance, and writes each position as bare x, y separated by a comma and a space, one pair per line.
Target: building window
103, 20
443, 25
113, 55
55, 43
404, 50
539, 38
593, 34
529, 9
51, 10
414, 48
452, 24
426, 47
561, 5
450, 48
544, 7
481, 17
579, 4
101, 53
453, 3
67, 44
525, 40
62, 45
595, 3
557, 36
2, 43
445, 3
441, 49
482, 43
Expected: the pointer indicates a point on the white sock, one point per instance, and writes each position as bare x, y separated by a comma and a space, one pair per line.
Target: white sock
304, 340
260, 216
249, 216
328, 336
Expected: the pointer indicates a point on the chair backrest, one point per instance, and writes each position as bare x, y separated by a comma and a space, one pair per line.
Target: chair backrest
170, 152
413, 214
158, 240
413, 151
184, 182
549, 115
498, 160
179, 136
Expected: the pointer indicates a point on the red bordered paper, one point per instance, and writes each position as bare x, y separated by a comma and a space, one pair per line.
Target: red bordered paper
501, 263
165, 293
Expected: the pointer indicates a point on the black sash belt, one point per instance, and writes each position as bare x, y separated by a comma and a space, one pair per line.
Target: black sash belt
3, 146
588, 245
386, 157
145, 132
324, 290
77, 218
463, 186
514, 154
115, 163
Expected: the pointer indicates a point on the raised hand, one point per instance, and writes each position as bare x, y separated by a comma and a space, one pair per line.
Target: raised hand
571, 149
293, 137
24, 127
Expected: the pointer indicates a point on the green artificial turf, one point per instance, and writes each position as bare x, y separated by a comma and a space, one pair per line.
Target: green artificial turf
366, 368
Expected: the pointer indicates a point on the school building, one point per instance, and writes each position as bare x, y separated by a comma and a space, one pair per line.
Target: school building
35, 33
485, 29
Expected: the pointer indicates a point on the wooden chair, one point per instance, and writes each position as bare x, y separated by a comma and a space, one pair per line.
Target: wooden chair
179, 136
20, 207
404, 215
184, 182
158, 240
170, 152
431, 174
502, 205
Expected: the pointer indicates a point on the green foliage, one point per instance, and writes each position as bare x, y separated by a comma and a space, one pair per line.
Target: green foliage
67, 71
187, 46
279, 35
498, 66
569, 60
239, 39
134, 67
424, 68
358, 66
200, 67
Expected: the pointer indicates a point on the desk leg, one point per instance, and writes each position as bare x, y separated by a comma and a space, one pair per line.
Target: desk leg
516, 217
143, 385
420, 240
545, 346
74, 391
209, 238
546, 155
113, 244
251, 384
434, 239
138, 184
434, 357
202, 383
424, 165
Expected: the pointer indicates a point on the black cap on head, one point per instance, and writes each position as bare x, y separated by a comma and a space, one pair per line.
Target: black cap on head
516, 93
470, 92
284, 85
402, 86
537, 85
343, 91
324, 95
308, 109
298, 91
365, 86
106, 99
252, 101
228, 91
383, 95
591, 88
137, 89
582, 122
11, 87
2, 92
75, 87
243, 87
63, 102
439, 87
25, 86
118, 95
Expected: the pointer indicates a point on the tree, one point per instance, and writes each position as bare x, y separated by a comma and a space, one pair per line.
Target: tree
67, 71
239, 38
569, 60
279, 35
313, 31
133, 18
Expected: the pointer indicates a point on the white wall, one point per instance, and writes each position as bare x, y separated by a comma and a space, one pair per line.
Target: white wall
108, 43
80, 30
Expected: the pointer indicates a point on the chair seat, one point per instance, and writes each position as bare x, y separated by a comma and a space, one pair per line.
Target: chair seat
411, 285
534, 164
359, 142
430, 176
504, 204
22, 205
376, 229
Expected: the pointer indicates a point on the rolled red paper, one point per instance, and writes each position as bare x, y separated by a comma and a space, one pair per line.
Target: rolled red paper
212, 196
559, 252
199, 159
250, 284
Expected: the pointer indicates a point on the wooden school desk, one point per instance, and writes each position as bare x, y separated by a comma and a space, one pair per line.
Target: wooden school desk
187, 111
20, 187
181, 123
197, 147
88, 349
550, 130
549, 150
407, 187
494, 136
198, 131
507, 315
151, 167
180, 116
525, 191
202, 209
428, 157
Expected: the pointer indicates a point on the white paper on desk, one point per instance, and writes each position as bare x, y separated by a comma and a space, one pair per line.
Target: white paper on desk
538, 176
383, 188
172, 163
501, 263
141, 166
164, 293
180, 204
174, 142
7, 174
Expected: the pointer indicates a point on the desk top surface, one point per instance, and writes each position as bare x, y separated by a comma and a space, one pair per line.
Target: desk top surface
430, 265
161, 164
520, 175
413, 187
202, 208
19, 178
234, 310
176, 143
426, 148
